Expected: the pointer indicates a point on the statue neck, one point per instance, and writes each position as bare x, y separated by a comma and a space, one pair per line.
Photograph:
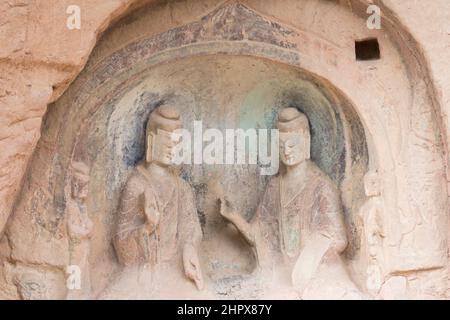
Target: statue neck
158, 170
296, 170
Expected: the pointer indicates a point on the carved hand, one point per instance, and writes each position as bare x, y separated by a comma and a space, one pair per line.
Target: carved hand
226, 210
237, 220
151, 209
192, 265
309, 261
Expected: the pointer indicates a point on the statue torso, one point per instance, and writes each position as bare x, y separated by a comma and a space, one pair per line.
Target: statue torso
298, 209
161, 245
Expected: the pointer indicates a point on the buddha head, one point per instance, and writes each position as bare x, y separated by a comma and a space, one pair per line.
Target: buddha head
161, 135
295, 139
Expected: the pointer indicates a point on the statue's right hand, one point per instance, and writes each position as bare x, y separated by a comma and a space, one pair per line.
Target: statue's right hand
151, 210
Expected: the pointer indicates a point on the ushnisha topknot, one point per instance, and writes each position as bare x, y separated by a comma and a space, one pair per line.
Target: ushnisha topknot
165, 117
290, 119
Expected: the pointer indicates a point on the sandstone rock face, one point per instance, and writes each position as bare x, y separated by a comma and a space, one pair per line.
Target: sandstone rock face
41, 57
232, 65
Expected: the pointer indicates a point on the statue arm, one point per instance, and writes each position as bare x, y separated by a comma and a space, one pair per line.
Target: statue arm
189, 224
328, 237
309, 260
235, 218
261, 224
190, 236
245, 228
331, 221
131, 227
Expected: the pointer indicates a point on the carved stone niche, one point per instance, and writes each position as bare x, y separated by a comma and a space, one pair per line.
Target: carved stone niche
232, 68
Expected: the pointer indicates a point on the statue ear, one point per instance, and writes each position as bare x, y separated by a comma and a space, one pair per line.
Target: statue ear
149, 153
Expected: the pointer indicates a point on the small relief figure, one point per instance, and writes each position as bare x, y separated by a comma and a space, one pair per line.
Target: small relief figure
79, 229
300, 219
31, 287
370, 216
157, 223
38, 283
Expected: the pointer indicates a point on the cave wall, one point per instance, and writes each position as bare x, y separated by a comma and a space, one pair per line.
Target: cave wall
325, 49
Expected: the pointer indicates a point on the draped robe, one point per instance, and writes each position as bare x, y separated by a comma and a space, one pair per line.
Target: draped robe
315, 208
178, 225
285, 228
153, 258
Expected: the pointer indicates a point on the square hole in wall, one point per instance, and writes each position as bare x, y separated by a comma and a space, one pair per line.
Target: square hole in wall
368, 49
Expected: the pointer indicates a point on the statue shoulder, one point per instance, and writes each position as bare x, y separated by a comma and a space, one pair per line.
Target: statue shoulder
321, 179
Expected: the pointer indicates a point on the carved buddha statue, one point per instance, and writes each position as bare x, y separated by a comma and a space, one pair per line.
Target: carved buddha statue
300, 219
79, 228
158, 228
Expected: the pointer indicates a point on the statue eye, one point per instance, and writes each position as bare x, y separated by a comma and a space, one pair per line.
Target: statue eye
290, 143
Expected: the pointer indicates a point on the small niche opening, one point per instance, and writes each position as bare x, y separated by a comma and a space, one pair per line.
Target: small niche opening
368, 49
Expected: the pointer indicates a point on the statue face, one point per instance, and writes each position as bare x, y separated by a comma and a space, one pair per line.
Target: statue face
294, 148
161, 147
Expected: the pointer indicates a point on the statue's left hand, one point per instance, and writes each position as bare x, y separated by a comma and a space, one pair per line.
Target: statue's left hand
192, 266
309, 260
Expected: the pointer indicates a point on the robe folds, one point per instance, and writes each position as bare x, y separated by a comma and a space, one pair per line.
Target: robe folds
304, 234
152, 256
315, 208
179, 225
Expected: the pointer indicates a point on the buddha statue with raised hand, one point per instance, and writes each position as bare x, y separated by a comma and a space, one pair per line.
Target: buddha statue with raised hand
157, 217
300, 218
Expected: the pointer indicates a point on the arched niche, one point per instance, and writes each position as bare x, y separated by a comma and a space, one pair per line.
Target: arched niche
100, 120
112, 136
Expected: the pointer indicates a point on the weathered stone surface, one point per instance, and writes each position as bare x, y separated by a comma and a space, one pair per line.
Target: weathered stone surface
403, 105
39, 57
